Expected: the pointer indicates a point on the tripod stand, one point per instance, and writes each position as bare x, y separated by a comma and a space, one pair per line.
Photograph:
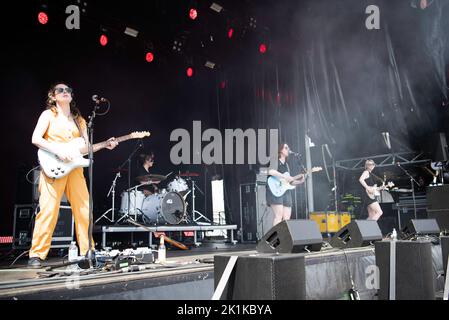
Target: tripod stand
111, 190
127, 215
196, 215
412, 182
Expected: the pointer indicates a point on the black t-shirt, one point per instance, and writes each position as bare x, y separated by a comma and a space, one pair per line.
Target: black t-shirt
141, 171
283, 167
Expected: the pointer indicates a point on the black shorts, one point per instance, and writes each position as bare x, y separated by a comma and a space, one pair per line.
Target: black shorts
285, 200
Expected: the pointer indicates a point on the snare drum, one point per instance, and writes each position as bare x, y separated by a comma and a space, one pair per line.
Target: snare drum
135, 202
167, 208
177, 185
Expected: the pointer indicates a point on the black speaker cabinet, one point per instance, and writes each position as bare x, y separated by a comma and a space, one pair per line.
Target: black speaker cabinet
263, 277
414, 270
438, 205
359, 233
292, 236
445, 251
24, 216
421, 227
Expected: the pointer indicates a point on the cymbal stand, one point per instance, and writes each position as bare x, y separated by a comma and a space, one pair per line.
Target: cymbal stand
196, 212
111, 190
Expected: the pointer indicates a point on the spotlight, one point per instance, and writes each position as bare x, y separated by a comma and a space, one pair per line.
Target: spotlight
230, 33
177, 45
189, 72
42, 17
103, 40
193, 13
149, 57
253, 23
263, 48
216, 7
210, 64
131, 32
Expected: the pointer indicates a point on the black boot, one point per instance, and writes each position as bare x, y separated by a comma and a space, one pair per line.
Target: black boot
35, 263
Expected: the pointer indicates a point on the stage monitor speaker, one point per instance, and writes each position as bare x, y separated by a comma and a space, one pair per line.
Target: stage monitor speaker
292, 236
420, 227
359, 233
445, 251
414, 272
263, 277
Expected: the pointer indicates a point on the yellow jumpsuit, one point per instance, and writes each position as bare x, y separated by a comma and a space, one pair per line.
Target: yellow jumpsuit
51, 192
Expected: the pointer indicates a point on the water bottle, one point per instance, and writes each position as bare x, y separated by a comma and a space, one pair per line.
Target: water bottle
161, 253
394, 235
73, 251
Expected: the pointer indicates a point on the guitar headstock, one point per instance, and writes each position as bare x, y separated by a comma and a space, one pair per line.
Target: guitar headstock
316, 169
390, 184
140, 134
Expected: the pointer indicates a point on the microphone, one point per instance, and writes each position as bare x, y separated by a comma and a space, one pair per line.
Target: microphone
294, 153
98, 99
398, 164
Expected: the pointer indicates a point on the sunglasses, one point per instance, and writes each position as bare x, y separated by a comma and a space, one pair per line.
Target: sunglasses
61, 90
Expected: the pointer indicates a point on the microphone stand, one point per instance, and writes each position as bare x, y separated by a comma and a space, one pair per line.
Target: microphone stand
90, 129
412, 182
301, 167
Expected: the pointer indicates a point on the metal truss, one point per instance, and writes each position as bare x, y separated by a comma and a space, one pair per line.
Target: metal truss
384, 160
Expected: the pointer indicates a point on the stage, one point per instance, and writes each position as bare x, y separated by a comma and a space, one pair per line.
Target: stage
194, 274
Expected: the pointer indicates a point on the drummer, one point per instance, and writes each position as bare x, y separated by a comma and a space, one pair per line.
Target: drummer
146, 161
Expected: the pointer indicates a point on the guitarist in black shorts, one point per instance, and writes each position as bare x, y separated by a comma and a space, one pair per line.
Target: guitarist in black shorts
282, 206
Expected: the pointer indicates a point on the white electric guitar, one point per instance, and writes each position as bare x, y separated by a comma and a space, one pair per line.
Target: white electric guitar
54, 167
279, 186
376, 194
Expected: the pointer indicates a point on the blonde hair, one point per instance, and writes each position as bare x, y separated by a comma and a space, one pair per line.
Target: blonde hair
369, 162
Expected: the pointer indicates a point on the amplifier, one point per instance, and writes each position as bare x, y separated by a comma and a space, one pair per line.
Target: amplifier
24, 216
256, 218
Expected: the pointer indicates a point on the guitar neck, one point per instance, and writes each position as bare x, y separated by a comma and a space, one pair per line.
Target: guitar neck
104, 144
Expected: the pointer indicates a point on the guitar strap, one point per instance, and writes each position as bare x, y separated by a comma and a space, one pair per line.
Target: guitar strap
81, 132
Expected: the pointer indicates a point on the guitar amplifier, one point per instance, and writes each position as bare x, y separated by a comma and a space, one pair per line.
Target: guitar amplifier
256, 218
24, 216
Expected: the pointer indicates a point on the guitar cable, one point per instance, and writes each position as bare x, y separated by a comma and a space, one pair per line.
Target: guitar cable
27, 175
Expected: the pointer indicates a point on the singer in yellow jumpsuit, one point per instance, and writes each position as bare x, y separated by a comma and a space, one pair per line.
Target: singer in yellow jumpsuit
57, 125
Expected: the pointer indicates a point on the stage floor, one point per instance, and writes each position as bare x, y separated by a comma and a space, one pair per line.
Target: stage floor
187, 275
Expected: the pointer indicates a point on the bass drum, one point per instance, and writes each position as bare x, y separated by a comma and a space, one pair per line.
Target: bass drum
166, 208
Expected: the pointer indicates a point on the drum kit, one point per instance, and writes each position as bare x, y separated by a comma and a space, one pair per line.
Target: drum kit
167, 206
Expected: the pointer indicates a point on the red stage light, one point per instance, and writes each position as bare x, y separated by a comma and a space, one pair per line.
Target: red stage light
222, 84
189, 72
193, 14
103, 40
149, 57
42, 17
230, 33
263, 48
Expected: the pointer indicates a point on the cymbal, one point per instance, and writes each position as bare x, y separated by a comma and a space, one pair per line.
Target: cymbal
151, 177
189, 174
